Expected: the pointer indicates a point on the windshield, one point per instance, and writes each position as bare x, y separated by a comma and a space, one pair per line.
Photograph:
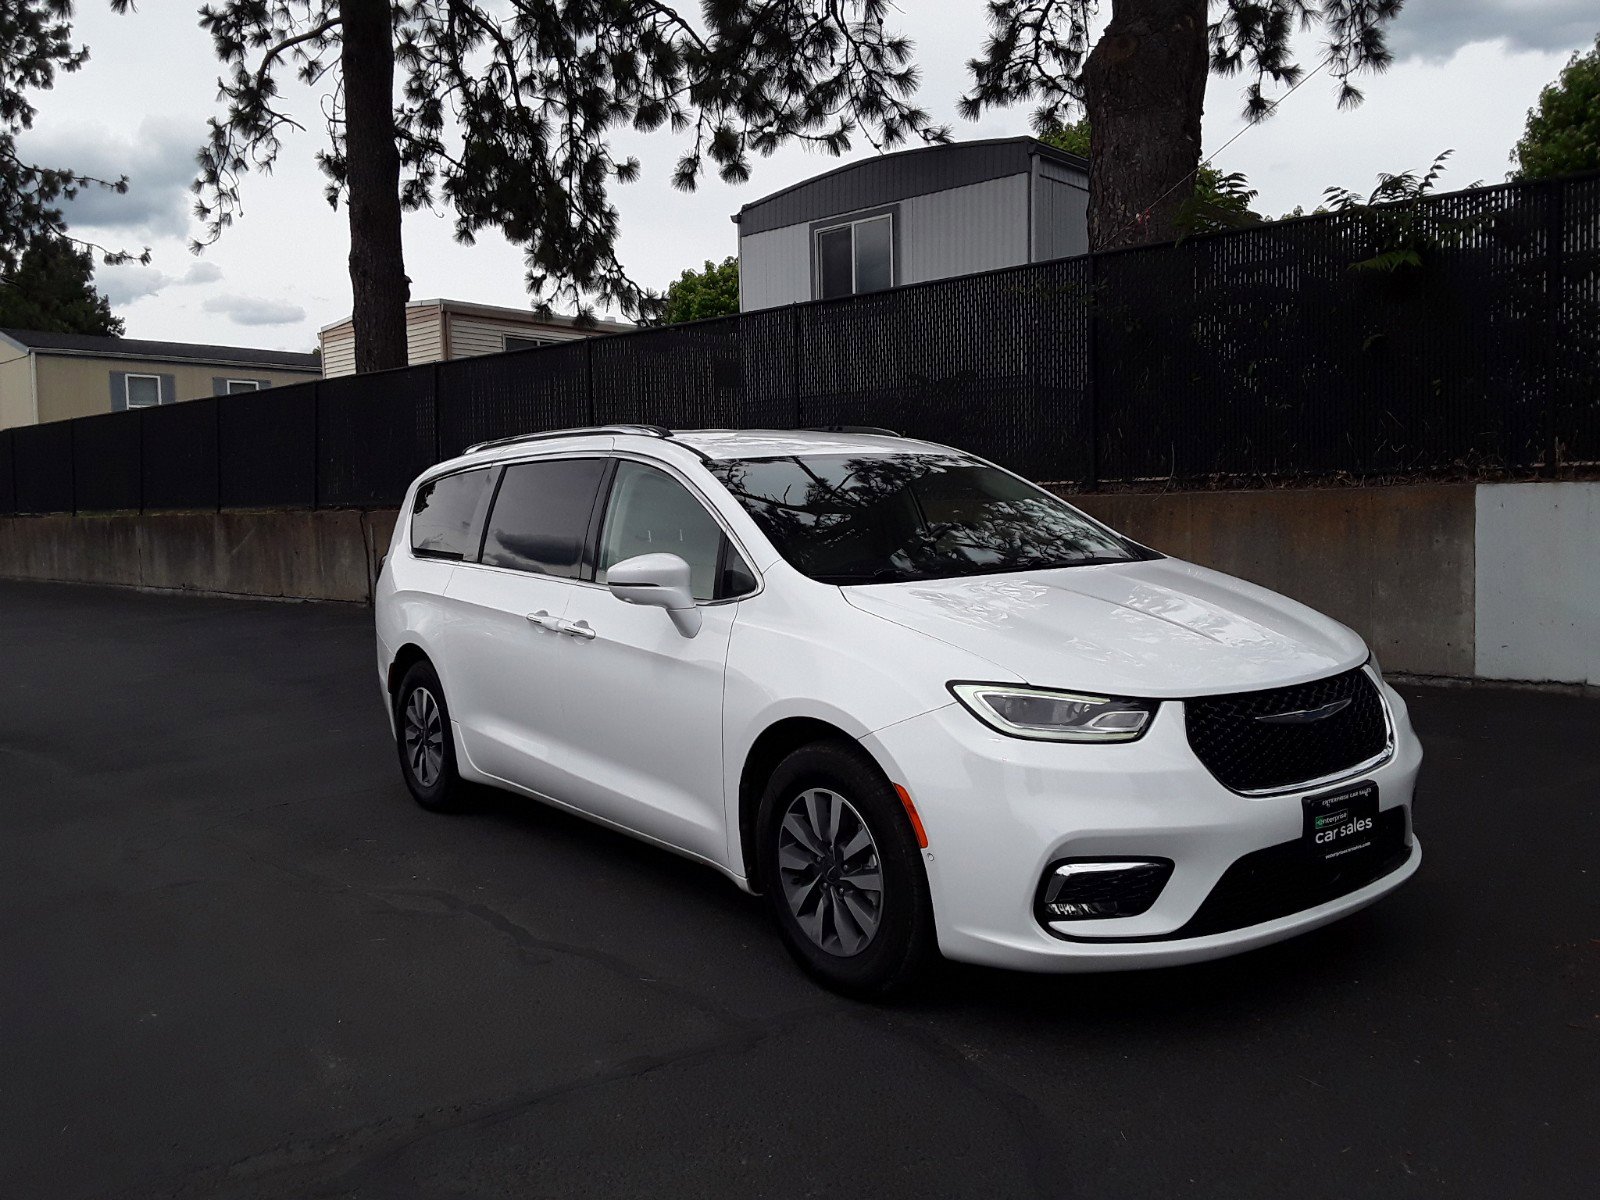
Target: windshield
849, 519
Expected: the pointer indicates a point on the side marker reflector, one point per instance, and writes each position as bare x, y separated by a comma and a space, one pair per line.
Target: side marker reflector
911, 812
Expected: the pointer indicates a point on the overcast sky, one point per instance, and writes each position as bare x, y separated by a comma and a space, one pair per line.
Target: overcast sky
1467, 72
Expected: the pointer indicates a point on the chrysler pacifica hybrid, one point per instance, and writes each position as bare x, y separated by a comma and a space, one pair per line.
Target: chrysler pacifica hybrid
919, 703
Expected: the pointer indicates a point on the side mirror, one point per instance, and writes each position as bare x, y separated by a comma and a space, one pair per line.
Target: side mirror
660, 581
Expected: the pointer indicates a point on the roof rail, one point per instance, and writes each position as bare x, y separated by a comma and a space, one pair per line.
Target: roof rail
876, 429
641, 430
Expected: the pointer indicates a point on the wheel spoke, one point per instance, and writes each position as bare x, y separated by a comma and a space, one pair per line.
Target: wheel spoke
868, 879
851, 927
794, 857
804, 835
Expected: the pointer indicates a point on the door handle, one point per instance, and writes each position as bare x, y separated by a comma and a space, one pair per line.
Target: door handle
578, 629
545, 621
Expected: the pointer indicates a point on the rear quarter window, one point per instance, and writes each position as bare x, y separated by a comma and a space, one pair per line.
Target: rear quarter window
447, 515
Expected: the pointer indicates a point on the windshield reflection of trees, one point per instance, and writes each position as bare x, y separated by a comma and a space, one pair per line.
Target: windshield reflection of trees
904, 517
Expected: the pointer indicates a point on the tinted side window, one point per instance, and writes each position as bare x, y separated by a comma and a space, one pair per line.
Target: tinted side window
652, 513
448, 513
541, 516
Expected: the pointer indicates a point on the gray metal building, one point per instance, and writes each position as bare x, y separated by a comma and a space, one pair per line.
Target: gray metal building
927, 213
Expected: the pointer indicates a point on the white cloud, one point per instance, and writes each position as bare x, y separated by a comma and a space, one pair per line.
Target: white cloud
124, 284
255, 310
1436, 29
158, 159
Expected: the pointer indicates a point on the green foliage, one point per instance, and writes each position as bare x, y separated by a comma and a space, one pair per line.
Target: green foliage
1400, 229
35, 44
52, 289
504, 108
695, 295
1563, 132
1218, 201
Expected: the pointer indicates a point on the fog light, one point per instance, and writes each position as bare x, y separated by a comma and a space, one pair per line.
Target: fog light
1094, 889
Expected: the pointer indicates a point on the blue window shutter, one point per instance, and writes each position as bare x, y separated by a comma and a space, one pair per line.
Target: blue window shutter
119, 391
219, 385
169, 388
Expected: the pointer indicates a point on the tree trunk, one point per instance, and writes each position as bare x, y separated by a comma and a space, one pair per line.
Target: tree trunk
1145, 90
378, 284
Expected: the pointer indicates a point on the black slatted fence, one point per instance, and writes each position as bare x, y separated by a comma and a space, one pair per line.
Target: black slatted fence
1268, 352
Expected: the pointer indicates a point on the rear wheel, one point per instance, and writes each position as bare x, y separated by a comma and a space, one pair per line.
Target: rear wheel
843, 872
422, 738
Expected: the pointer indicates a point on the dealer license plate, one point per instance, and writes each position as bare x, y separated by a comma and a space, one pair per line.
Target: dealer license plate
1341, 824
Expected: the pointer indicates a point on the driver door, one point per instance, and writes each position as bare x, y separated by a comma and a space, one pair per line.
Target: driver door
642, 712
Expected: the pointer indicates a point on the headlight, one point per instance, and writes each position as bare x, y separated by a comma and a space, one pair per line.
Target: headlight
1050, 716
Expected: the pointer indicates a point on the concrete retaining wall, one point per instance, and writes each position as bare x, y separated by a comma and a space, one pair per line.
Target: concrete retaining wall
329, 555
1496, 581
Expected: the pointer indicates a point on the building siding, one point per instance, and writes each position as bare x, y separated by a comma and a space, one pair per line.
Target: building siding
424, 336
472, 336
964, 230
339, 350
887, 178
469, 335
775, 268
1060, 213
80, 387
16, 388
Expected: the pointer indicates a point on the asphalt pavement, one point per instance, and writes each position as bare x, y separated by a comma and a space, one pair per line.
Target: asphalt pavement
237, 961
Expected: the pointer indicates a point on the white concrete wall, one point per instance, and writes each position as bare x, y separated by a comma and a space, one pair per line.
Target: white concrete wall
1538, 582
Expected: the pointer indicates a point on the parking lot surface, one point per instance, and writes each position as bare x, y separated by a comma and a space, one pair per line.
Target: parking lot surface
236, 960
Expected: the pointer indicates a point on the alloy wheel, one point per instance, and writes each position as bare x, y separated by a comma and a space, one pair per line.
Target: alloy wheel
830, 872
424, 737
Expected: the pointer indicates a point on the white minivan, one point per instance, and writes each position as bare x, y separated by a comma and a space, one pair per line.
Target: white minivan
921, 704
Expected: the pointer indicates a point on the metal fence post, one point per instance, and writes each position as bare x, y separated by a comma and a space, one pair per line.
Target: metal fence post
1555, 285
1091, 382
316, 444
588, 376
216, 444
794, 363
438, 405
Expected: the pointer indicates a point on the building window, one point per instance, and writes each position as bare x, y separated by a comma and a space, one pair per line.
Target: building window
232, 387
855, 257
512, 342
143, 391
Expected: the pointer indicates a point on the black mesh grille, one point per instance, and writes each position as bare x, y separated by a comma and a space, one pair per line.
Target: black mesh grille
1247, 753
1283, 879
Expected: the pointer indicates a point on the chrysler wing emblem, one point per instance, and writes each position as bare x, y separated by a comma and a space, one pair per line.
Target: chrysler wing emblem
1306, 716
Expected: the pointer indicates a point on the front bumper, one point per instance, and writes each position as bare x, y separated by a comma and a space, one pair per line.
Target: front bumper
999, 810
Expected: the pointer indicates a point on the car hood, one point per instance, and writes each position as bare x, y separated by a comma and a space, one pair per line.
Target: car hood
1160, 628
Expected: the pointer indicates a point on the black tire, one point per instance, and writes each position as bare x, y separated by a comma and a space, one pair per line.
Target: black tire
435, 785
903, 941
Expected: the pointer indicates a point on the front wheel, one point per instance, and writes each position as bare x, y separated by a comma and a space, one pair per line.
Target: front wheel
843, 872
422, 737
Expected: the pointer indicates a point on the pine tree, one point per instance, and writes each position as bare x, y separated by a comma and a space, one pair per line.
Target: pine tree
52, 289
1143, 84
35, 45
506, 110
